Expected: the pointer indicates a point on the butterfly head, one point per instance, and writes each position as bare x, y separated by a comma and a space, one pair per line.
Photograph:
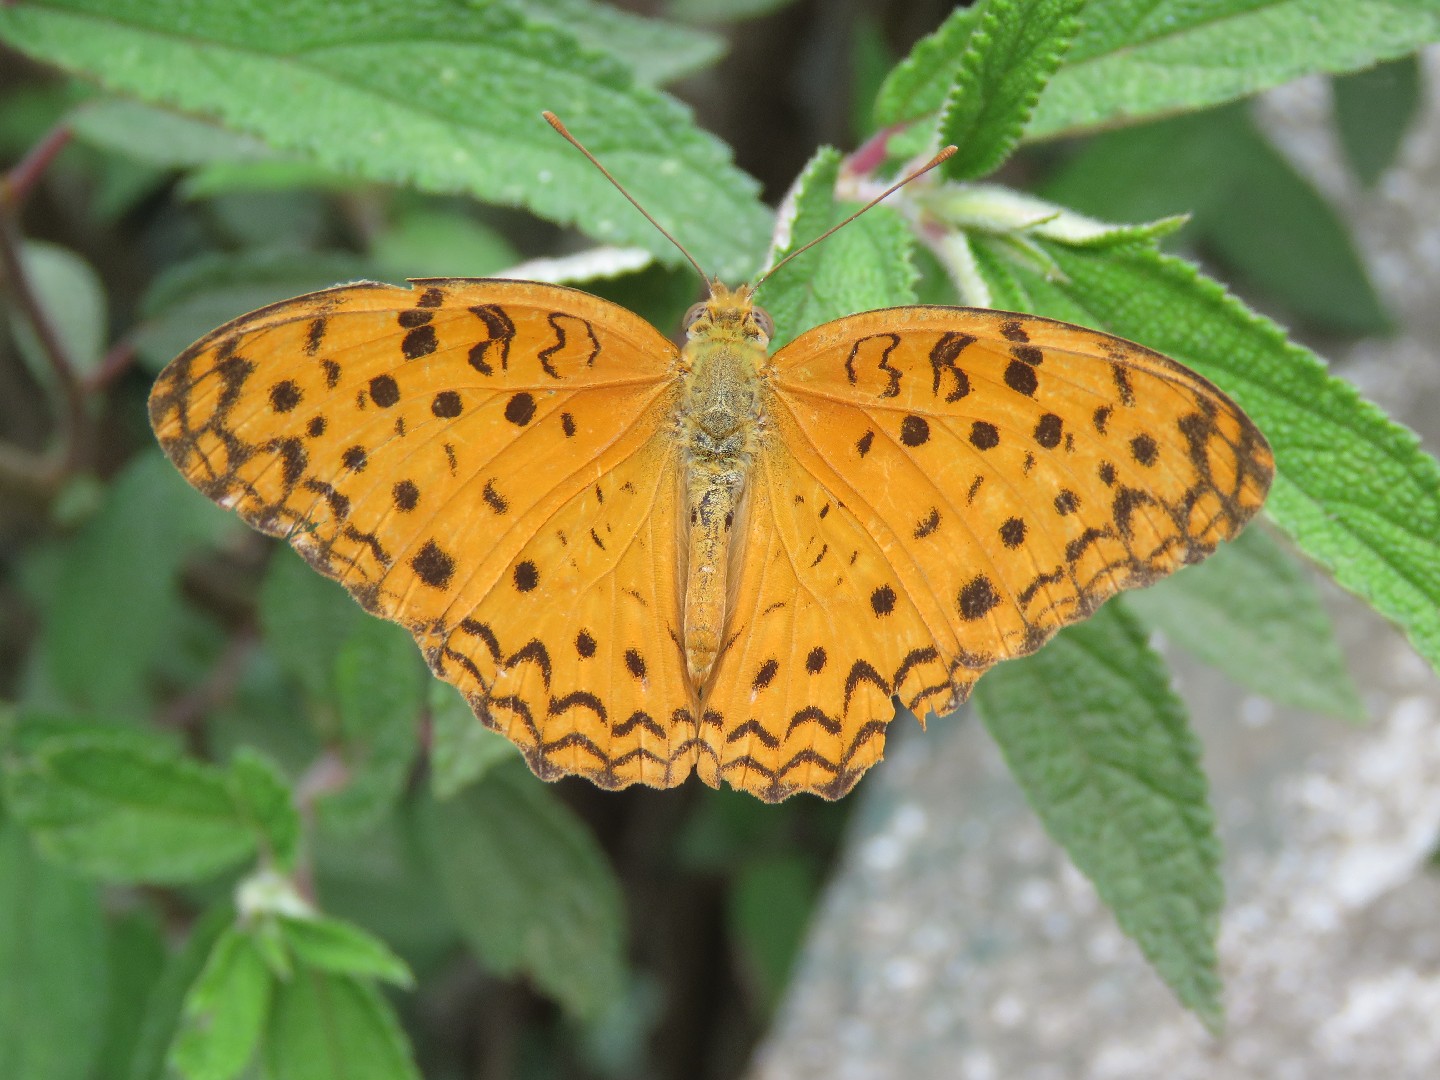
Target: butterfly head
729, 315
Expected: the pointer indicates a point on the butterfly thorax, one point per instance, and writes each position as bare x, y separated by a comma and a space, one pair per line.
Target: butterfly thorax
720, 415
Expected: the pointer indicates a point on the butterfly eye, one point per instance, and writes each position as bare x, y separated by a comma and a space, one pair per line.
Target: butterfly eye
696, 310
763, 320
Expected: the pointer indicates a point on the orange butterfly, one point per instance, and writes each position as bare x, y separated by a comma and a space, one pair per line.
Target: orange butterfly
636, 560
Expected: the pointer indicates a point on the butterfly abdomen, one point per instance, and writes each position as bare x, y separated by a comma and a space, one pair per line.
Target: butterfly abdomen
721, 419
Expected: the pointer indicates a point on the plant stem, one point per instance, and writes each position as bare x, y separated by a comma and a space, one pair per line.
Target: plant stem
73, 420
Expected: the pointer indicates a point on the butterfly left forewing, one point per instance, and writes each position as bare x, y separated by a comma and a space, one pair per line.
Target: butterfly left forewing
1015, 471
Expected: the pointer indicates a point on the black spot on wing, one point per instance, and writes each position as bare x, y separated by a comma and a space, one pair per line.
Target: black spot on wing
765, 675
984, 435
928, 524
1048, 431
447, 405
285, 395
526, 576
433, 565
1021, 378
520, 409
493, 498
314, 336
977, 598
406, 496
914, 431
1144, 449
1122, 384
419, 342
384, 391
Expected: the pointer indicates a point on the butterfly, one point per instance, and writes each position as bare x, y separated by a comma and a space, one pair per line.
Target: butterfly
637, 560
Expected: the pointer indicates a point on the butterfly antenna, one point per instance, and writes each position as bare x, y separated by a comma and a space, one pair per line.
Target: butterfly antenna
554, 122
936, 160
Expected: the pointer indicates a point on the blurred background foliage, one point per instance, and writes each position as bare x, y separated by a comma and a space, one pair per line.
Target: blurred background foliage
596, 934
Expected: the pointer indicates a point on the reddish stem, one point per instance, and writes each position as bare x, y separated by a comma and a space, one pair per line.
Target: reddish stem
21, 180
73, 420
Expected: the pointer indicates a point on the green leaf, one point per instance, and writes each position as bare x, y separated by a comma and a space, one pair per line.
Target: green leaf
381, 880
224, 1011
657, 52
724, 10
1249, 206
264, 712
341, 948
1142, 58
111, 808
1172, 166
117, 607
442, 97
305, 620
1285, 240
281, 219
135, 956
32, 728
167, 996
264, 798
770, 904
440, 243
530, 888
920, 83
865, 265
1373, 110
870, 62
379, 687
159, 136
70, 294
332, 1027
1099, 743
1353, 489
462, 750
52, 966
190, 299
1253, 613
1010, 56
214, 180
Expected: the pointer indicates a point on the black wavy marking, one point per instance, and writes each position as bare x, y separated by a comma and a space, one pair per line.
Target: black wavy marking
547, 354
844, 776
892, 375
753, 727
639, 718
